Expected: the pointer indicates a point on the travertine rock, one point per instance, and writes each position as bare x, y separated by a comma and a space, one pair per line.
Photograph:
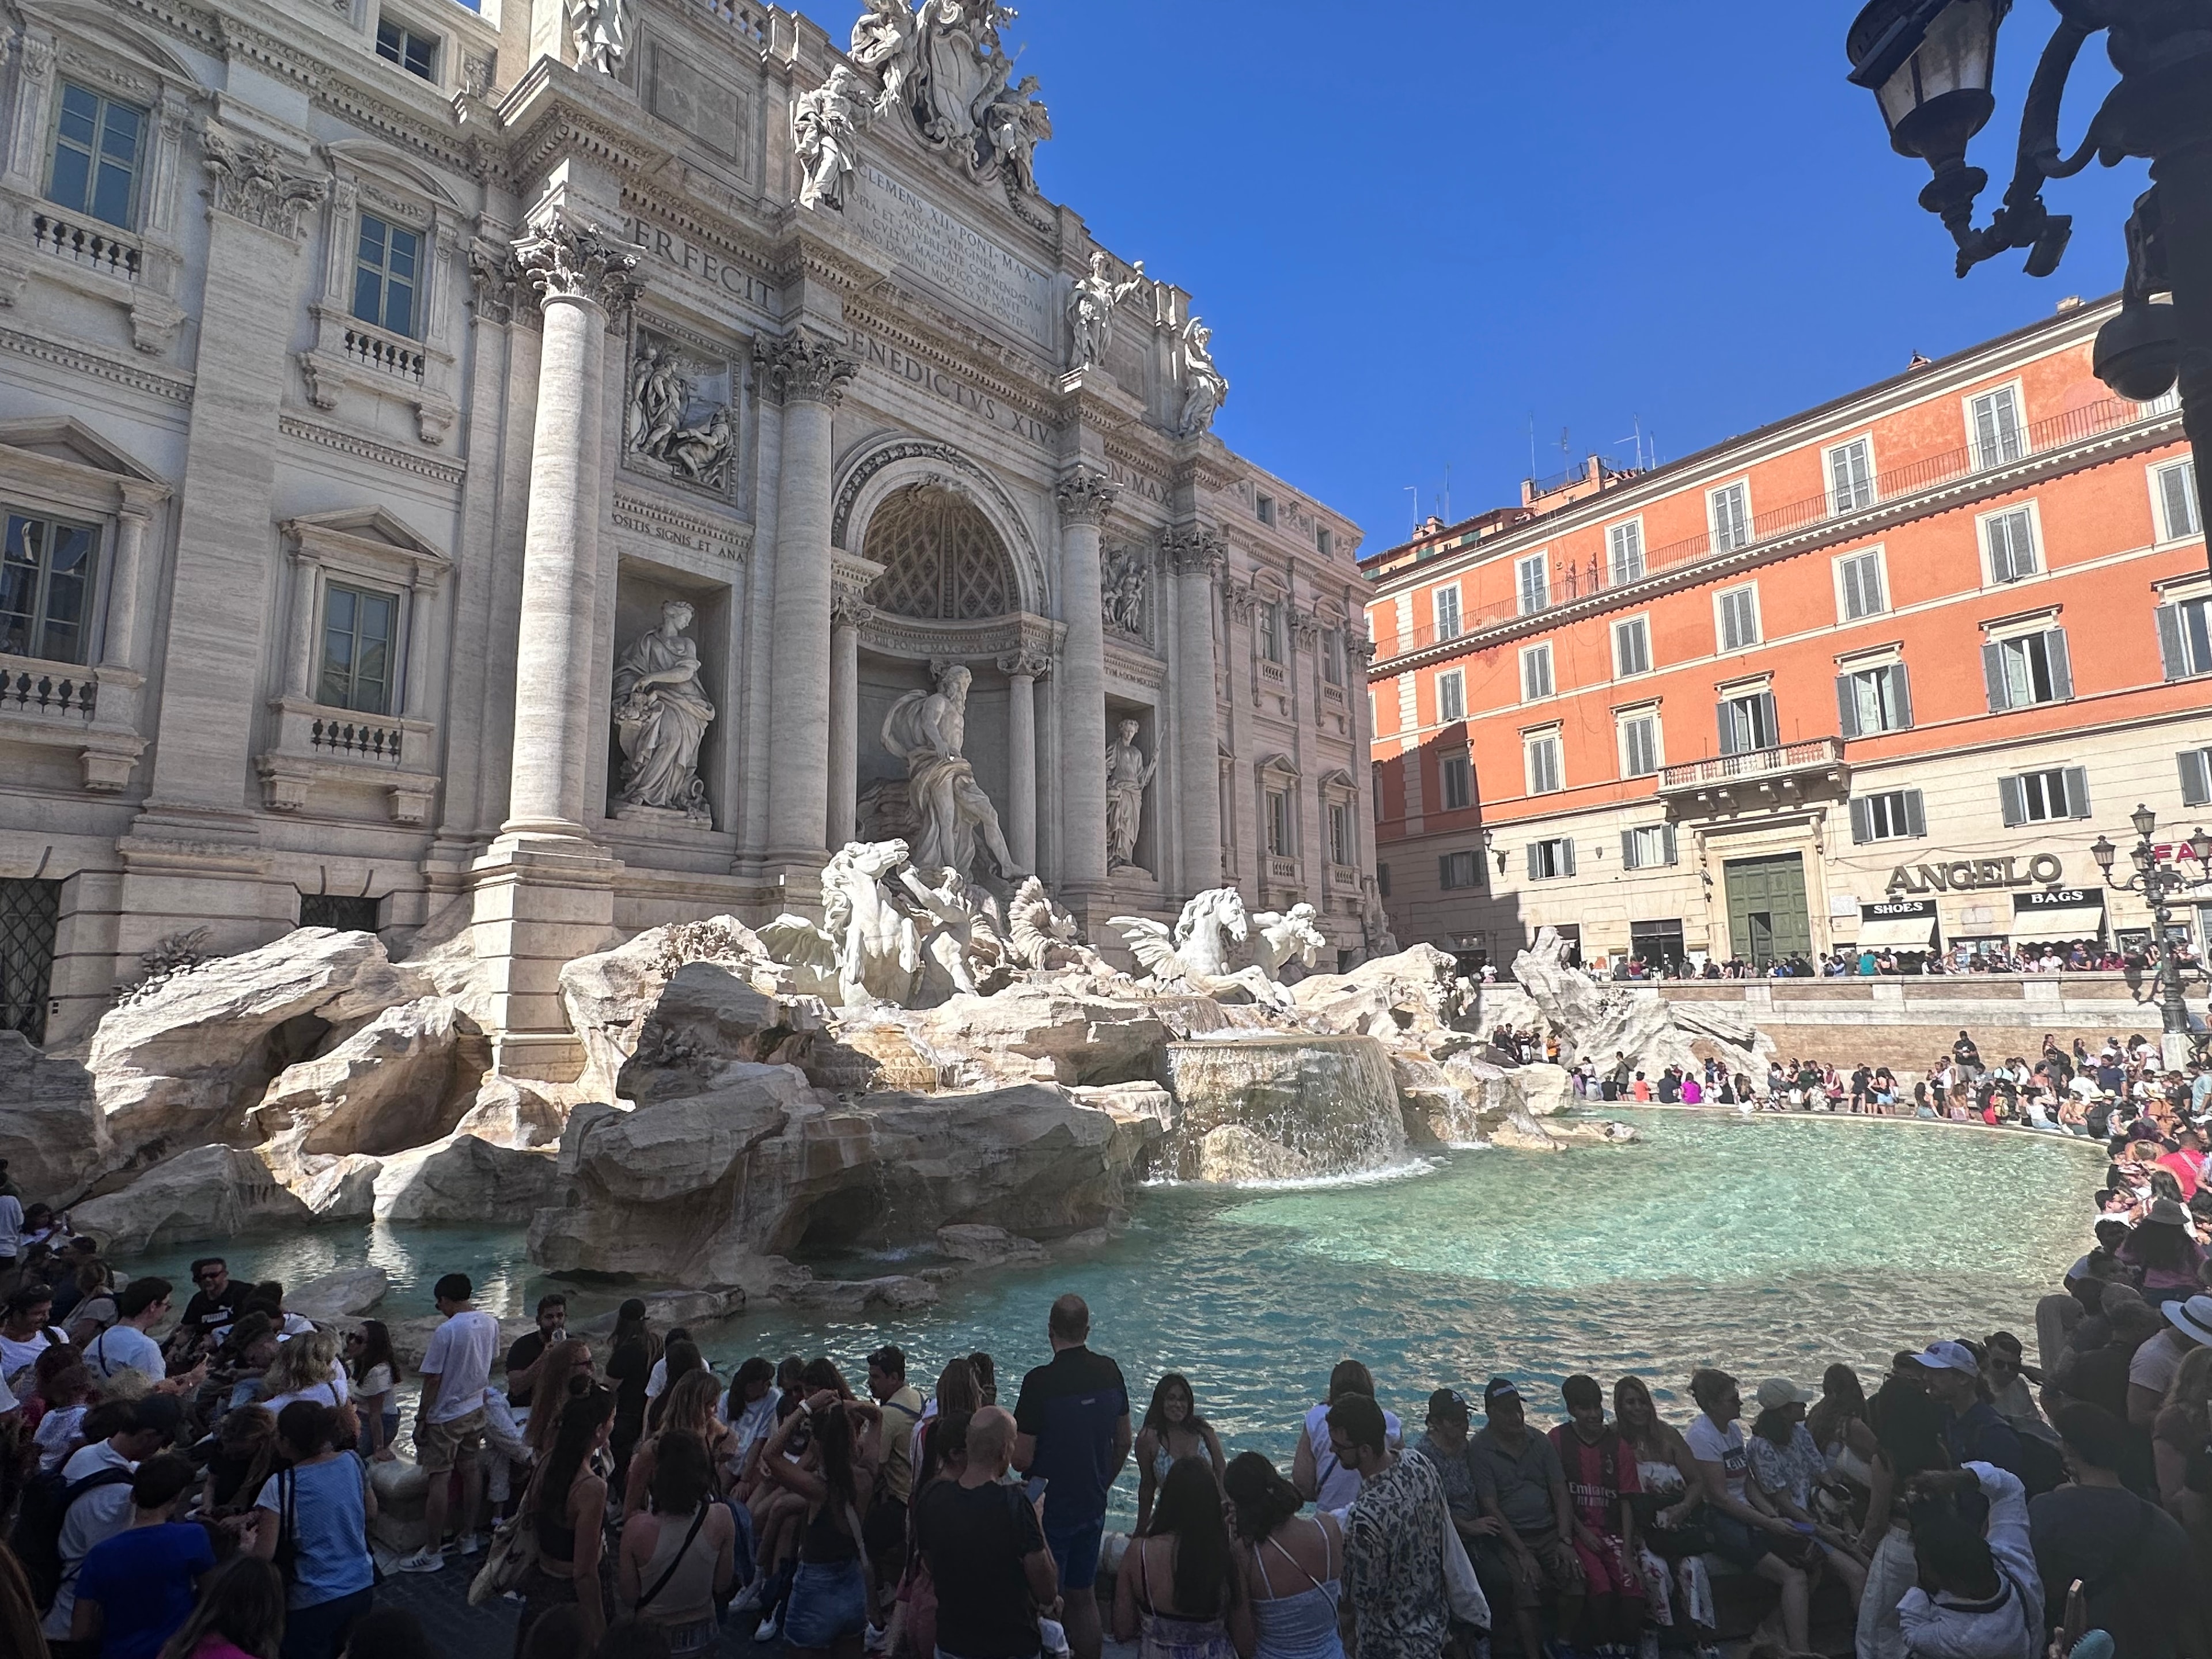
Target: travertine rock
1544, 1090
705, 1016
1057, 1032
399, 1081
973, 1242
337, 1188
1414, 991
207, 1193
180, 1066
51, 1131
346, 1294
462, 1178
507, 1113
608, 994
1234, 1153
1599, 1020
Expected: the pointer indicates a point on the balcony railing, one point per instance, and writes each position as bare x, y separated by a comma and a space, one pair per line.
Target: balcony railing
384, 352
357, 740
42, 690
749, 22
1818, 755
94, 246
1570, 581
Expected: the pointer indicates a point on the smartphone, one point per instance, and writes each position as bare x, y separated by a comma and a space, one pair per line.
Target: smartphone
2077, 1617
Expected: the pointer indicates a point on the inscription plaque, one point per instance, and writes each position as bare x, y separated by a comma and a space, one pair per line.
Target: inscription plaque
964, 263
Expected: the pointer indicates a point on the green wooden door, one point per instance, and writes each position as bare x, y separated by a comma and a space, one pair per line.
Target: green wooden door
1767, 918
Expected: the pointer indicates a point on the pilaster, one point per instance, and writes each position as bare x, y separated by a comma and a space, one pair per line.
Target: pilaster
1085, 498
1195, 557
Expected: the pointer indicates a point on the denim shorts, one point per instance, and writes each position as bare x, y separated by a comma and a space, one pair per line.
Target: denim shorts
1075, 1550
829, 1601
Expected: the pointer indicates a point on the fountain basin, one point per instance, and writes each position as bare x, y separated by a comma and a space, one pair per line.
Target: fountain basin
1281, 1108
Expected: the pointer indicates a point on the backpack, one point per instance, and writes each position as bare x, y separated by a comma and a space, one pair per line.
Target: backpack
37, 1539
2041, 1468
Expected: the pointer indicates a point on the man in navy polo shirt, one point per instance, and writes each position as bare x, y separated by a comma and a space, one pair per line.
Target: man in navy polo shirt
1073, 1423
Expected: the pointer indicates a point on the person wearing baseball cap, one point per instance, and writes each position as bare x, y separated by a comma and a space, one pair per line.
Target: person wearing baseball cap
1523, 1487
1973, 1430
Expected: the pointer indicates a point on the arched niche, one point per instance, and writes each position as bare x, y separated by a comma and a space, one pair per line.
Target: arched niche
896, 465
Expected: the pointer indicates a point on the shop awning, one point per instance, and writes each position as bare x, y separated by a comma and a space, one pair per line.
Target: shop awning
2057, 926
1897, 932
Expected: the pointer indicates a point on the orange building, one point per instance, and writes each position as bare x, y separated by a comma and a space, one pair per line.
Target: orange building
1877, 674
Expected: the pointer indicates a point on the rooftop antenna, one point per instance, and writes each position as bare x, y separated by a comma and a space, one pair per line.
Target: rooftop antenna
1448, 517
1532, 444
1566, 451
1414, 491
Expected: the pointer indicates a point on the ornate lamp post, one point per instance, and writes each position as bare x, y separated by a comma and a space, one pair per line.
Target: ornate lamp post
1928, 64
2160, 885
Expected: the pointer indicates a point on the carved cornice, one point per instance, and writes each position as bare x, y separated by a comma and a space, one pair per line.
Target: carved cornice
1241, 597
563, 261
1130, 662
251, 180
712, 534
368, 449
1087, 496
804, 367
77, 361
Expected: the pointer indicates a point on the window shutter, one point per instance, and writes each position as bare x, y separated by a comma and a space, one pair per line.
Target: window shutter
2062, 667
2012, 797
1628, 850
1993, 673
2173, 654
1916, 815
2195, 777
1535, 865
1728, 729
1772, 731
2077, 791
2177, 484
1901, 695
1847, 706
1862, 820
1667, 834
1567, 848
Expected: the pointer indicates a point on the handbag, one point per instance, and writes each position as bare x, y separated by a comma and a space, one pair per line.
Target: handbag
1462, 1589
512, 1556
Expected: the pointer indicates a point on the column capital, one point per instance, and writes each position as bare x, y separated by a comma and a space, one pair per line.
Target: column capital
561, 260
849, 610
1024, 664
495, 281
801, 367
1086, 496
251, 180
1358, 646
1195, 551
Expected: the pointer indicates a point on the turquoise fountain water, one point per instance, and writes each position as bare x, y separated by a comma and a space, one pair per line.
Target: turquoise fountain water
1769, 1246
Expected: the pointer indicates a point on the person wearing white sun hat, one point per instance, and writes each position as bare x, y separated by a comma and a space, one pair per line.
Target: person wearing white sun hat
2151, 1372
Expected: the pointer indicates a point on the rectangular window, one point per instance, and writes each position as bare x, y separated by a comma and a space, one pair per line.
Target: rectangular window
357, 634
1747, 723
2195, 776
46, 572
2184, 638
413, 51
1549, 860
1543, 754
1535, 672
1324, 540
1339, 833
1458, 779
2010, 538
2177, 501
2024, 672
1859, 586
1265, 506
1271, 631
1451, 696
1891, 816
1332, 659
1382, 881
1850, 476
2041, 797
1623, 546
98, 155
1279, 838
1457, 870
1446, 601
1532, 579
1639, 745
1736, 610
1649, 848
1870, 700
1375, 788
1730, 507
2000, 436
387, 271
1632, 647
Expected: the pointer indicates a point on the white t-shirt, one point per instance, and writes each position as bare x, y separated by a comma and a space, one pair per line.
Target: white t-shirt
378, 1383
460, 1357
2159, 1360
93, 1519
334, 1392
1337, 1486
125, 1348
11, 1226
56, 1436
1709, 1445
21, 1356
656, 1380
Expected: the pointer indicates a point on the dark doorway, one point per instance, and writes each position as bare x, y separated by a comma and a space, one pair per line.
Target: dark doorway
347, 914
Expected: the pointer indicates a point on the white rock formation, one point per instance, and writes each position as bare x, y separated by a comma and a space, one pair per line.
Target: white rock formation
1600, 1020
608, 994
207, 1193
507, 1113
397, 1081
462, 1178
346, 1294
51, 1131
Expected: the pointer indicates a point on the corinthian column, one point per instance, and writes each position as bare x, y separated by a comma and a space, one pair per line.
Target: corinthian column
807, 374
1085, 498
1196, 556
1022, 671
578, 275
848, 615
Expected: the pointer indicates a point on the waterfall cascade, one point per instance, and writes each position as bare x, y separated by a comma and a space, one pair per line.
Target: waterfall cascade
1282, 1107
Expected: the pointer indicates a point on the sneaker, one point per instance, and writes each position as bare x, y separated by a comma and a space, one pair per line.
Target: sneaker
771, 1628
424, 1560
473, 1544
875, 1642
749, 1598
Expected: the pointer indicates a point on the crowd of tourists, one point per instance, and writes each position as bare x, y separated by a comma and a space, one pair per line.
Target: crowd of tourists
2139, 960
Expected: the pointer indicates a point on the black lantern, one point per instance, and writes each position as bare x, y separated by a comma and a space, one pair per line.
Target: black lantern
1928, 64
2104, 852
2200, 844
2144, 820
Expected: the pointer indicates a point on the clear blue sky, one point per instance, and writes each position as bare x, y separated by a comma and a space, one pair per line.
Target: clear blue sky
1415, 225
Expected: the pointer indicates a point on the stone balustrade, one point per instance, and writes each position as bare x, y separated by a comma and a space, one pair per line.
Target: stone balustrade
94, 246
47, 690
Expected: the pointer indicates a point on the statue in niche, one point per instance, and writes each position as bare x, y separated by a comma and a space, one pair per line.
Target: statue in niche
1090, 309
600, 32
824, 124
660, 715
1129, 774
1205, 387
1121, 580
928, 730
676, 415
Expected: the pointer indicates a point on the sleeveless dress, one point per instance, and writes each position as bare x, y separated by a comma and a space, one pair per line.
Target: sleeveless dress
1302, 1625
683, 1610
1166, 1636
1682, 1591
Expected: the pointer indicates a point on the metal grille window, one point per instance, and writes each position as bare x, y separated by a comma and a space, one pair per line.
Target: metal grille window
1535, 672
412, 49
2184, 638
387, 264
1859, 580
2177, 499
2011, 537
1648, 849
1451, 696
47, 570
1870, 700
1544, 767
1999, 434
1454, 870
1850, 476
1624, 550
1532, 579
1747, 723
1731, 513
2040, 797
1639, 745
1738, 612
1446, 600
1891, 816
98, 155
357, 632
1550, 861
1632, 647
30, 919
2032, 669
1457, 776
347, 912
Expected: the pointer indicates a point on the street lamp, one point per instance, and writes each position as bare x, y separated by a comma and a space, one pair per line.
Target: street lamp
2160, 885
1928, 64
